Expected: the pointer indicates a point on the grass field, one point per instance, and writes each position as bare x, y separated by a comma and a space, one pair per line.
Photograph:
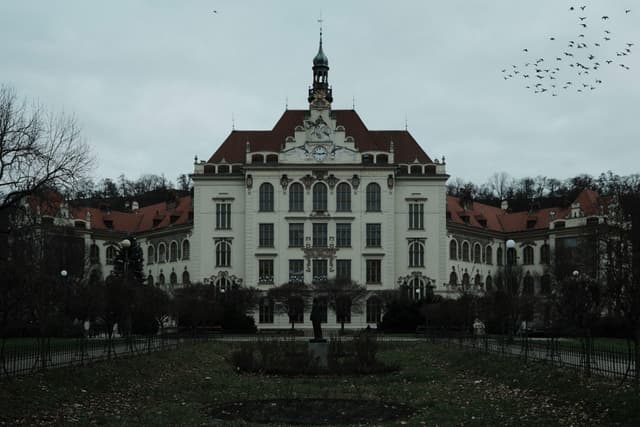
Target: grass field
446, 386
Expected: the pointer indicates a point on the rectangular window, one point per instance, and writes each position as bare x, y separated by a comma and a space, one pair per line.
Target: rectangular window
343, 235
320, 235
296, 271
374, 271
296, 235
416, 216
343, 269
265, 272
319, 270
265, 235
374, 235
223, 216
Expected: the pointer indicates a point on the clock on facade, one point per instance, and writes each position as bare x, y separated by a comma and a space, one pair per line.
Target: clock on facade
319, 153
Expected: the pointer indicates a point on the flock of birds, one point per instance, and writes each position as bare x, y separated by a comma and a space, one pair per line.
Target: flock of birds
575, 67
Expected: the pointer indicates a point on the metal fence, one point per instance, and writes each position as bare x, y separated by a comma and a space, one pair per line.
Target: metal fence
30, 355
613, 360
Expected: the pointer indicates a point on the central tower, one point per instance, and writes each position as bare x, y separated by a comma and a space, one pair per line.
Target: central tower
320, 97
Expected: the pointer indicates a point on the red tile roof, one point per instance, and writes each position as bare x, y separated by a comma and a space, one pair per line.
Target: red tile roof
142, 219
501, 221
406, 149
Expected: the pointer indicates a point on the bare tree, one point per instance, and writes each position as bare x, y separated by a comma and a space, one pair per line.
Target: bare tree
37, 150
343, 297
501, 184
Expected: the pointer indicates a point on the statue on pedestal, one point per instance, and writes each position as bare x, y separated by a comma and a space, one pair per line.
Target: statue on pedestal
316, 318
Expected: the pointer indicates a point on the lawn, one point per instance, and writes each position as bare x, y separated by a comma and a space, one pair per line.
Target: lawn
445, 386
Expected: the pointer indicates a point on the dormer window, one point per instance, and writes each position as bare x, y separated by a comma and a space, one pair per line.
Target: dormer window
223, 169
367, 159
156, 221
173, 218
559, 224
531, 223
593, 220
108, 223
465, 218
482, 222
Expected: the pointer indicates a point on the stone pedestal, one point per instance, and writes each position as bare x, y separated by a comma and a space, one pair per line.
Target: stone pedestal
319, 350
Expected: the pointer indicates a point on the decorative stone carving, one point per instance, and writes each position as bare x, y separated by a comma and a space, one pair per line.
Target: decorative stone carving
320, 174
307, 180
249, 181
284, 182
311, 253
332, 181
355, 182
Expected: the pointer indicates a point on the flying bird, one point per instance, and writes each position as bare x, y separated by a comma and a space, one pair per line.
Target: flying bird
584, 25
525, 50
571, 8
609, 61
215, 11
607, 31
605, 17
607, 38
629, 44
583, 7
627, 10
552, 38
582, 18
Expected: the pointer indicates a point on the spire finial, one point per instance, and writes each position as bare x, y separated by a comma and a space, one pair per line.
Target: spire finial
406, 123
320, 20
233, 122
353, 100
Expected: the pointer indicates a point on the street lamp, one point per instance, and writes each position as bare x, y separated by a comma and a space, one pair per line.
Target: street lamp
125, 243
63, 274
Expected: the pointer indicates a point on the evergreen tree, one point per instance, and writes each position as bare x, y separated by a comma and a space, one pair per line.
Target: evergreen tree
129, 263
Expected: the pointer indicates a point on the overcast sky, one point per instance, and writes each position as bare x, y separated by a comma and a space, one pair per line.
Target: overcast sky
154, 83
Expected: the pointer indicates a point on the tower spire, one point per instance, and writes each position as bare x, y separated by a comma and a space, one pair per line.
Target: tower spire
320, 96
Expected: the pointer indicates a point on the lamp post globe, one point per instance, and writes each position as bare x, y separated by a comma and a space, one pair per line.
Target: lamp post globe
125, 243
576, 273
511, 244
63, 273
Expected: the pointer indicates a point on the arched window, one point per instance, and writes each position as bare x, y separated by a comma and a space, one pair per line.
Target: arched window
416, 254
161, 279
453, 279
416, 289
173, 278
94, 254
488, 255
527, 255
499, 282
499, 256
545, 284
223, 254
151, 254
382, 159
320, 197
343, 197
511, 256
477, 253
488, 283
296, 197
266, 197
465, 280
545, 254
477, 280
374, 310
162, 252
186, 249
173, 252
223, 285
416, 170
150, 280
186, 280
257, 158
111, 254
527, 285
465, 251
453, 249
266, 310
373, 197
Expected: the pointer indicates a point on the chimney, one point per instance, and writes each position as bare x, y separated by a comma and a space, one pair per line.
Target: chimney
504, 205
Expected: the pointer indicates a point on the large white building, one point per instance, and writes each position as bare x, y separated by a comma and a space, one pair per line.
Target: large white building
321, 196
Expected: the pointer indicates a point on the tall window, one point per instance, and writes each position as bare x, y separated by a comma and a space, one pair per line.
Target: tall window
111, 254
343, 235
499, 256
477, 253
265, 235
296, 197
296, 310
320, 197
296, 235
511, 256
374, 238
343, 309
186, 249
527, 255
94, 255
223, 254
343, 197
320, 272
266, 197
465, 280
322, 305
373, 197
173, 278
185, 278
374, 310
320, 235
527, 285
374, 271
266, 310
488, 283
477, 280
223, 216
173, 252
453, 279
223, 285
416, 254
265, 272
416, 289
488, 255
545, 255
161, 279
162, 252
343, 269
416, 216
150, 280
453, 249
465, 251
296, 271
151, 254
